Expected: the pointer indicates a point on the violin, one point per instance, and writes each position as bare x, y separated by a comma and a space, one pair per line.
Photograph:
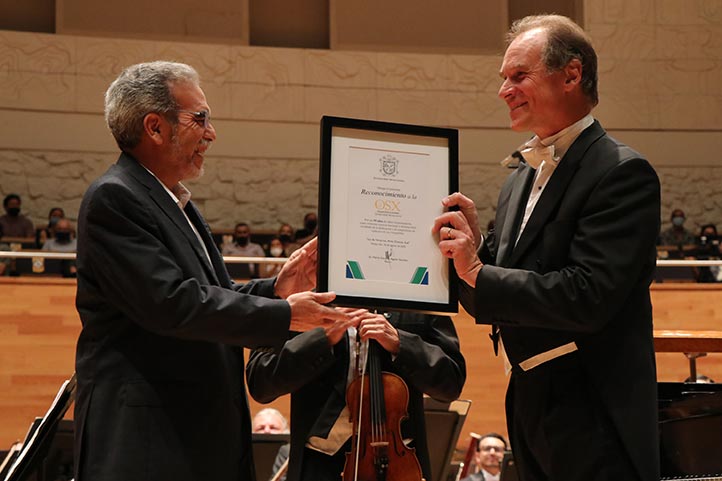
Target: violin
378, 402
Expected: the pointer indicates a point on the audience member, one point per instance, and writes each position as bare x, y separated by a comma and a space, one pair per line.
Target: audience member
55, 214
275, 249
676, 235
309, 230
487, 459
243, 247
708, 236
708, 248
15, 224
288, 238
271, 421
63, 241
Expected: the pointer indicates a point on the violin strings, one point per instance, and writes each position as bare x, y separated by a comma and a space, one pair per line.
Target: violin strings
360, 410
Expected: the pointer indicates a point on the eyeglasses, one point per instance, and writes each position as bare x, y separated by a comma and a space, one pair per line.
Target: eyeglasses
487, 449
202, 117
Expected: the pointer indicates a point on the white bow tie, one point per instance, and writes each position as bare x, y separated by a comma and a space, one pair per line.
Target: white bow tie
534, 155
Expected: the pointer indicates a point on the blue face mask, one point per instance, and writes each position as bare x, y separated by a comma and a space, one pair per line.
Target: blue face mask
678, 221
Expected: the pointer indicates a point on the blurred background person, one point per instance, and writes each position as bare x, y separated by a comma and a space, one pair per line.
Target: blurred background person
676, 235
242, 246
275, 249
309, 229
48, 232
487, 459
271, 421
14, 223
288, 238
63, 241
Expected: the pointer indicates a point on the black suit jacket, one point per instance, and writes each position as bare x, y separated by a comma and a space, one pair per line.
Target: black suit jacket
159, 364
581, 272
429, 361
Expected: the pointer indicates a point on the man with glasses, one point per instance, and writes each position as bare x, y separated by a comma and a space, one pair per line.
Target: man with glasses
488, 456
159, 360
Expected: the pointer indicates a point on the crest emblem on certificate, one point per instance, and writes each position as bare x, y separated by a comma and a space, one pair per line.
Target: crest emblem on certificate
389, 166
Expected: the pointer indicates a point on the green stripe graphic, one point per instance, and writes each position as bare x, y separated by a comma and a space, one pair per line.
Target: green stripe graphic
418, 275
355, 270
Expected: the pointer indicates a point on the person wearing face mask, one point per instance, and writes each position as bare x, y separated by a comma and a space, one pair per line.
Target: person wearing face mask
676, 235
275, 249
15, 224
55, 214
287, 236
243, 247
63, 241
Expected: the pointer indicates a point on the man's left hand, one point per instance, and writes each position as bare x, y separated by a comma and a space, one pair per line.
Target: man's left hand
459, 236
299, 272
377, 327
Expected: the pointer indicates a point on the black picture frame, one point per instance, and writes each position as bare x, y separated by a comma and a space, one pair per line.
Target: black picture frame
442, 139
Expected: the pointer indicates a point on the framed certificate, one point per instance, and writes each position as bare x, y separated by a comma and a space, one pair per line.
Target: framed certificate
381, 187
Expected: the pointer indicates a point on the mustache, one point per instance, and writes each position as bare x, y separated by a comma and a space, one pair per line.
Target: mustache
204, 145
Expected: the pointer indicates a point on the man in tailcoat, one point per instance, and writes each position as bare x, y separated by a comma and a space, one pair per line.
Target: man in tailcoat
564, 277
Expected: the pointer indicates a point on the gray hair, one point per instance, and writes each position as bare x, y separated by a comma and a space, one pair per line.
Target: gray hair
139, 90
565, 41
273, 412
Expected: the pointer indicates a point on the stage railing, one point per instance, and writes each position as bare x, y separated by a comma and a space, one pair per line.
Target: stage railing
29, 254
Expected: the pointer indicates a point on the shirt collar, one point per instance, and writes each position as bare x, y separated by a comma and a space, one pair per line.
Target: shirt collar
563, 139
179, 193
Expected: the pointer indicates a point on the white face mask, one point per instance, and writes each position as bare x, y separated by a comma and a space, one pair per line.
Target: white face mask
276, 251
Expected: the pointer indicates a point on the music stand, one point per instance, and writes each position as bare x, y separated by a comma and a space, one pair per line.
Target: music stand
10, 458
41, 433
265, 448
508, 468
443, 426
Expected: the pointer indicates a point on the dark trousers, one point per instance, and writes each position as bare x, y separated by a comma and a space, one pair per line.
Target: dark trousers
321, 467
559, 429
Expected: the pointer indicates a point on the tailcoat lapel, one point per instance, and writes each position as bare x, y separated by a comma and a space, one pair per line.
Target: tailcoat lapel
513, 208
554, 191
